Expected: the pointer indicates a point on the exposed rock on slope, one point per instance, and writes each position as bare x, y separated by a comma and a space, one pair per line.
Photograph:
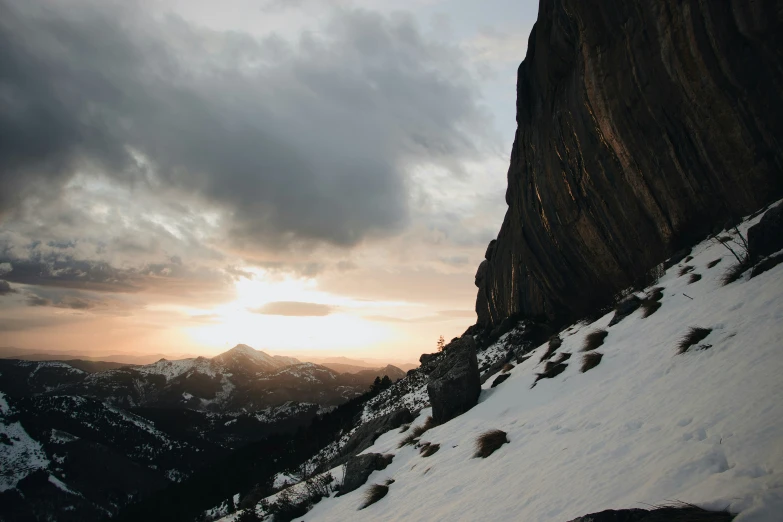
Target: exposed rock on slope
454, 386
641, 125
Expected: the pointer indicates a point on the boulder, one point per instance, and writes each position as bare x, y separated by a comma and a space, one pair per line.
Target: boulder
359, 468
625, 308
367, 433
454, 386
429, 361
500, 379
766, 236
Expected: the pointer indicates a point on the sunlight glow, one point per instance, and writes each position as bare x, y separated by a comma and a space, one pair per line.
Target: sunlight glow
237, 322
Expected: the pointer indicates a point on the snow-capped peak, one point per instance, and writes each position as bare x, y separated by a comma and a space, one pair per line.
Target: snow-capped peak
243, 354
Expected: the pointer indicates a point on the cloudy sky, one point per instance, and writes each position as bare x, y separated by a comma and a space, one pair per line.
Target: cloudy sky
304, 176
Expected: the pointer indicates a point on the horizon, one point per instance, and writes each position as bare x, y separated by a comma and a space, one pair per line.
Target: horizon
305, 178
18, 353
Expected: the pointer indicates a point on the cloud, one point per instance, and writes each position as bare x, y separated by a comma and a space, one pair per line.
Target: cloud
294, 309
5, 288
36, 300
295, 143
68, 301
441, 316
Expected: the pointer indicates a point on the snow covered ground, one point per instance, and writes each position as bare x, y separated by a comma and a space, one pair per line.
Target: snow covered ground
646, 426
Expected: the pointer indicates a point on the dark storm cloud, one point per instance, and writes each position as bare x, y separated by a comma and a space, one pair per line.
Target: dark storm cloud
294, 309
67, 301
298, 144
5, 288
55, 270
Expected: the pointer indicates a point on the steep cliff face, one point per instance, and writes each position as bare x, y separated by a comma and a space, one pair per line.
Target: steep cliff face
641, 125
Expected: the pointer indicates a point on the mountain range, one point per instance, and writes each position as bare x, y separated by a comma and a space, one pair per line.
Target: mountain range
82, 440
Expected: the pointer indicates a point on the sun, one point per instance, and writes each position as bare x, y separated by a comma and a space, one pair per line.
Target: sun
239, 321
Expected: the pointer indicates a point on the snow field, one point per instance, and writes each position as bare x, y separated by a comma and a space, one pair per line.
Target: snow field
644, 427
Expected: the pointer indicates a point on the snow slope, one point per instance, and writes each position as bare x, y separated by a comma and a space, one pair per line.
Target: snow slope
646, 426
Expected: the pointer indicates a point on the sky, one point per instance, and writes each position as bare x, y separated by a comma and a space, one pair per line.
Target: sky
310, 178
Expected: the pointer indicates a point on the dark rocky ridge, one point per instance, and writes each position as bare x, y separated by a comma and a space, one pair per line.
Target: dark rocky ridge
641, 125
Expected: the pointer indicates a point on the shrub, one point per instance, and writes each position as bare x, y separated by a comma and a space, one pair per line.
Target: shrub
688, 259
684, 270
693, 278
591, 360
649, 307
488, 442
429, 449
695, 335
714, 262
554, 343
296, 502
248, 515
594, 339
373, 494
740, 254
507, 368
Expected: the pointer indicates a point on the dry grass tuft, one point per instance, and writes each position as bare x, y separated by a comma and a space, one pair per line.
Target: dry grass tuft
712, 264
555, 342
695, 335
488, 442
594, 339
655, 294
591, 360
684, 270
735, 271
417, 432
404, 428
649, 307
688, 259
429, 449
550, 371
373, 494
507, 368
684, 512
693, 278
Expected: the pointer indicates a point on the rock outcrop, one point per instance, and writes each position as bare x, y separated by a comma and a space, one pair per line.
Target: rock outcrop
367, 433
359, 468
454, 386
641, 125
766, 237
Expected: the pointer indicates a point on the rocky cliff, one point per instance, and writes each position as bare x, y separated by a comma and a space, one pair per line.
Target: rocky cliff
641, 125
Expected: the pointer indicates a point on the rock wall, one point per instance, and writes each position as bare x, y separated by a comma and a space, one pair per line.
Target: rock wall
641, 125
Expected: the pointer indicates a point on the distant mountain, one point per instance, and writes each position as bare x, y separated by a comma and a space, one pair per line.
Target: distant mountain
84, 459
98, 435
7, 352
348, 365
392, 372
241, 379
